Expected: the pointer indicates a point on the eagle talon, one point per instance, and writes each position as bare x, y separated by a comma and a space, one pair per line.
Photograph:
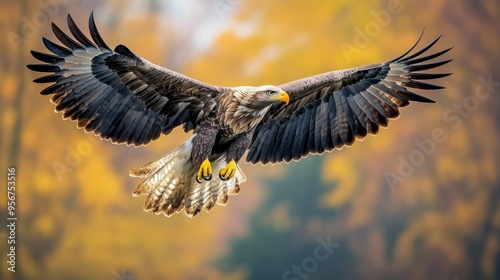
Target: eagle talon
205, 172
223, 178
199, 182
228, 172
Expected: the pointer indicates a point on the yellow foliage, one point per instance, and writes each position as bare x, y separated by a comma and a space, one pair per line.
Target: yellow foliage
44, 183
340, 169
8, 87
100, 184
279, 217
45, 224
427, 189
441, 242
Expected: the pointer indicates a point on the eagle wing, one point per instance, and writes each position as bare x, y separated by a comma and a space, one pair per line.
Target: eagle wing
331, 110
117, 94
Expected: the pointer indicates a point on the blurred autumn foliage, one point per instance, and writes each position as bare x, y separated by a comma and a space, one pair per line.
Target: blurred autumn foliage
404, 204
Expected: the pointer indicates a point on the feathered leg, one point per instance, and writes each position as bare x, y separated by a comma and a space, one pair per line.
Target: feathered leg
171, 185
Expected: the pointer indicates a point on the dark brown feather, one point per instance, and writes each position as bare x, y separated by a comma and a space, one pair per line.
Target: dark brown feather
331, 110
118, 96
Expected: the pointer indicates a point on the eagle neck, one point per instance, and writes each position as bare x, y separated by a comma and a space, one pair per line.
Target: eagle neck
236, 117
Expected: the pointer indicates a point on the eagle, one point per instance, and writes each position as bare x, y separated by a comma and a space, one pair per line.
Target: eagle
122, 97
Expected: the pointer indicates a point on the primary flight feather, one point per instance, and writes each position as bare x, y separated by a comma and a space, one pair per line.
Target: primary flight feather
122, 97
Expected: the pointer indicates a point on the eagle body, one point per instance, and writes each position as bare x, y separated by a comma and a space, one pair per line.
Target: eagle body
217, 138
228, 129
122, 97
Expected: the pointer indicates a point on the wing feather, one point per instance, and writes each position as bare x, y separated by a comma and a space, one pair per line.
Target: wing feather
117, 94
78, 34
95, 34
346, 125
332, 110
55, 48
298, 132
309, 116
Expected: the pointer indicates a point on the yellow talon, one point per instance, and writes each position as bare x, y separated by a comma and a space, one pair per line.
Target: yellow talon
205, 171
229, 171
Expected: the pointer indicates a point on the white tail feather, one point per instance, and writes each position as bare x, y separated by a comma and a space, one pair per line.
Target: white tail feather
171, 185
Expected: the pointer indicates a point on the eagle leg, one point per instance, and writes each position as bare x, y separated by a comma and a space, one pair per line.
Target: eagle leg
205, 171
228, 172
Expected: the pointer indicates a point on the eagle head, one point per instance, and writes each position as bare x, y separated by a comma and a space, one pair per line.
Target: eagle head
260, 98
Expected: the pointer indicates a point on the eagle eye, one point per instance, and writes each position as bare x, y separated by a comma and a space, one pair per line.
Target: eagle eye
270, 92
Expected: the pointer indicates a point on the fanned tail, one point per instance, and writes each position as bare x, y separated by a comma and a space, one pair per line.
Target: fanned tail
170, 184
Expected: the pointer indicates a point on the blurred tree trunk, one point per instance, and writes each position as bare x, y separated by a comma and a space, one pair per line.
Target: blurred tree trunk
12, 149
17, 108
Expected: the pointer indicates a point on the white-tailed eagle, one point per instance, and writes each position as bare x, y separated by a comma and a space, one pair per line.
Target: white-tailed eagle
122, 97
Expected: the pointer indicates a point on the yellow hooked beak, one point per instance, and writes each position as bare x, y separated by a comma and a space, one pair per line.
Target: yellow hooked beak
283, 96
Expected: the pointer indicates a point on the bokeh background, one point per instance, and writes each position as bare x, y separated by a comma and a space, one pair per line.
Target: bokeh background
390, 206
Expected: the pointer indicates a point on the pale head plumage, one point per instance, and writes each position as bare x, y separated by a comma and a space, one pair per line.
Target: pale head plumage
258, 99
244, 107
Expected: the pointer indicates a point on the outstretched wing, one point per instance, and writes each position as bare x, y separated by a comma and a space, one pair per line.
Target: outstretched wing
117, 94
331, 110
